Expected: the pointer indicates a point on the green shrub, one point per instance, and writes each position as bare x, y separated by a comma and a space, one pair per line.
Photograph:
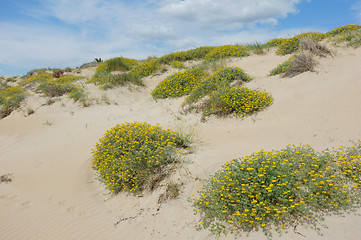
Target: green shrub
135, 156
221, 78
182, 56
238, 101
177, 64
283, 67
10, 99
280, 188
120, 64
225, 52
146, 68
39, 78
343, 30
178, 84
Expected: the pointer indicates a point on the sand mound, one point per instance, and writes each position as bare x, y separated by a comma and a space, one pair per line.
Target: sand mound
55, 195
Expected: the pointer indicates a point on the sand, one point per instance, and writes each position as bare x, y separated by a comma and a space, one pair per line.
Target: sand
55, 194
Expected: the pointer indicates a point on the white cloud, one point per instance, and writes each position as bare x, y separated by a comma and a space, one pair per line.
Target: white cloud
70, 32
210, 12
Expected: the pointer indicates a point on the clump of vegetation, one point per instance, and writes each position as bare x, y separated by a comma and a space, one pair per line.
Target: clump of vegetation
10, 99
222, 78
239, 101
226, 51
349, 34
301, 63
5, 178
282, 67
49, 86
182, 56
280, 189
106, 79
177, 64
343, 30
136, 156
146, 68
179, 84
313, 46
291, 45
257, 48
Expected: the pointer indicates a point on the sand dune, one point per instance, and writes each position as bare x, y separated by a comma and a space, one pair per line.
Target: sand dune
55, 194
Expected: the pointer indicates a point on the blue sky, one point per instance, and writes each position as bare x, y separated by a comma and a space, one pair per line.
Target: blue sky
68, 33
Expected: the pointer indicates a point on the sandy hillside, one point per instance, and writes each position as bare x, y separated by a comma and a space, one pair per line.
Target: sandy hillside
55, 195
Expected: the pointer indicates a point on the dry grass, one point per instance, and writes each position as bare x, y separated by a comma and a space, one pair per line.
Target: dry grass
313, 46
302, 63
5, 178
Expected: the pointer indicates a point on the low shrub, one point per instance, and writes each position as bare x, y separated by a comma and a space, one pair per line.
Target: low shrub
178, 84
223, 77
238, 101
226, 51
283, 67
120, 64
301, 63
343, 30
136, 156
10, 99
313, 46
146, 68
182, 56
280, 189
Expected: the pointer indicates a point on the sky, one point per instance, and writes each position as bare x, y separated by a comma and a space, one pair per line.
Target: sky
67, 33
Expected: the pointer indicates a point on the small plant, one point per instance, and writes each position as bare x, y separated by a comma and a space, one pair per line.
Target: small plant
313, 46
283, 67
5, 178
98, 60
136, 156
10, 99
238, 101
146, 68
301, 63
280, 189
179, 84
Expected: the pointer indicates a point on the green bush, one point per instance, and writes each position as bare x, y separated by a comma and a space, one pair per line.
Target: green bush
280, 188
146, 68
10, 99
120, 64
135, 156
182, 56
225, 52
343, 30
178, 84
223, 77
283, 67
238, 101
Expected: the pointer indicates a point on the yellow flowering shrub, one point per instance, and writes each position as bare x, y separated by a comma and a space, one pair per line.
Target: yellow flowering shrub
282, 67
130, 155
179, 84
182, 56
223, 77
239, 101
146, 68
10, 99
226, 51
343, 30
280, 188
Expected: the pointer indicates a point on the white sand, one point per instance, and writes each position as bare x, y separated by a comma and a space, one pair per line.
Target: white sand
55, 195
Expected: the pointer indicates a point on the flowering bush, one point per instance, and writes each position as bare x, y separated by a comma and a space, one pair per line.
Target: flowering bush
280, 188
178, 84
10, 99
283, 67
343, 29
238, 101
182, 56
223, 77
226, 51
146, 68
132, 155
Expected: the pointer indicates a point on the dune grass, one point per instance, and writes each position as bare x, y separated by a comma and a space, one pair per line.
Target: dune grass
280, 189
